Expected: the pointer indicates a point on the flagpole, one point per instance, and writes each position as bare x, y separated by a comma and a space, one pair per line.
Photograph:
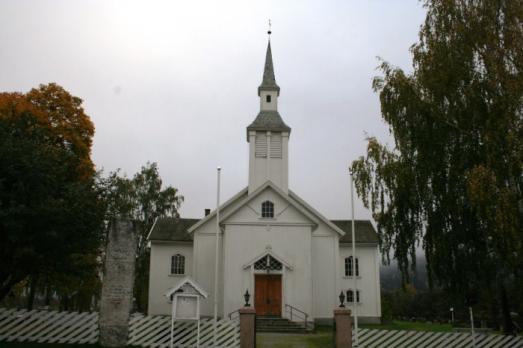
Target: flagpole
216, 260
354, 277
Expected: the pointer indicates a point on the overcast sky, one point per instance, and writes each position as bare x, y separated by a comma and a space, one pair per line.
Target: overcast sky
175, 82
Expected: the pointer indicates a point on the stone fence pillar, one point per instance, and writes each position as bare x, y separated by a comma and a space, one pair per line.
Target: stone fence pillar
118, 281
343, 322
247, 327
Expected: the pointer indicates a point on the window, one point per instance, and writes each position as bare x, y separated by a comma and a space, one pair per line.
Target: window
348, 267
350, 296
267, 209
268, 98
178, 264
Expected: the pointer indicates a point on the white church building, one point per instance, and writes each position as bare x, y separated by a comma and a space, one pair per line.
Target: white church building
272, 243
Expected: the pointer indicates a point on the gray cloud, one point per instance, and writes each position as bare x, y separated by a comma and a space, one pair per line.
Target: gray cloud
176, 82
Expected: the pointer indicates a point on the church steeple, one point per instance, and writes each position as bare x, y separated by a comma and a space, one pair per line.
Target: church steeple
268, 135
269, 81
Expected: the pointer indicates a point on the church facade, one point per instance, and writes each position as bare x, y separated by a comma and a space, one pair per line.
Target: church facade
272, 243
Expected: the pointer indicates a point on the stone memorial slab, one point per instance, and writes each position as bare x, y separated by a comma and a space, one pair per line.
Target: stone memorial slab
118, 281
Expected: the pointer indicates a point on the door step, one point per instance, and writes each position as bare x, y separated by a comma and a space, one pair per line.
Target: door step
264, 324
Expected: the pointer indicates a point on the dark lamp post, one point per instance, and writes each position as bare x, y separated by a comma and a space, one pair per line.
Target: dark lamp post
246, 296
342, 299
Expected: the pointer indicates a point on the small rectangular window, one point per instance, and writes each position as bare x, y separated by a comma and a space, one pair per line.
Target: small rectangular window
268, 98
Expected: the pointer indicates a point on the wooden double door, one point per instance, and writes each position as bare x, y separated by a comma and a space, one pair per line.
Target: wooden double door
267, 295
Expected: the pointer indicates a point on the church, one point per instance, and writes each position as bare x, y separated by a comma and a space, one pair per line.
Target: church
272, 243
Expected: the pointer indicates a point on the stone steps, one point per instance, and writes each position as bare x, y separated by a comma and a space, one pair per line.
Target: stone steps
264, 324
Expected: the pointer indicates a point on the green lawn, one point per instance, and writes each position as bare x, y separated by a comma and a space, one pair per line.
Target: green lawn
281, 340
408, 325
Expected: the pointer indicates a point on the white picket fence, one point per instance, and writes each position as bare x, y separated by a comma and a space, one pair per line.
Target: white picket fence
154, 332
372, 338
82, 328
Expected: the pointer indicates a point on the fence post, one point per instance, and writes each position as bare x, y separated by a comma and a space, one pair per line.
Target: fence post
343, 322
247, 329
117, 287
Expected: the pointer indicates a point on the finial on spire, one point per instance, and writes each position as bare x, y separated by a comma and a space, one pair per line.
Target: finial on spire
269, 32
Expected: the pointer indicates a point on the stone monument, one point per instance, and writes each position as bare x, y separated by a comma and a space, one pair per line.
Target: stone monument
118, 281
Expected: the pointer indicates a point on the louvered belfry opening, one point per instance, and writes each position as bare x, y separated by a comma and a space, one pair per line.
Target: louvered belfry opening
261, 145
268, 263
276, 145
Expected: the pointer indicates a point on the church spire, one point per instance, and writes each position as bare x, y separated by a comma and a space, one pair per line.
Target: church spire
269, 81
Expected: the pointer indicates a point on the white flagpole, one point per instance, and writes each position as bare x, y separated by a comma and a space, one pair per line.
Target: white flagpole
216, 268
354, 277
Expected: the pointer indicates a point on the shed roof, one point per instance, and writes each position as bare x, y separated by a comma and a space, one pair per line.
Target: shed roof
365, 232
172, 229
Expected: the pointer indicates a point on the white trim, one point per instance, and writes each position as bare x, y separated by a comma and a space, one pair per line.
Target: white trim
316, 213
271, 222
265, 253
285, 196
152, 228
186, 280
213, 213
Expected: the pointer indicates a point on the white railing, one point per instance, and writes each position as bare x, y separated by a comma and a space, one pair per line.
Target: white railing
82, 328
298, 316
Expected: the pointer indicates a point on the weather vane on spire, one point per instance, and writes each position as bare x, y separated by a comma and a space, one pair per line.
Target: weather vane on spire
269, 31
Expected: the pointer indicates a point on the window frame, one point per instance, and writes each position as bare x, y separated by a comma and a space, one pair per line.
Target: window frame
348, 266
267, 210
177, 264
349, 295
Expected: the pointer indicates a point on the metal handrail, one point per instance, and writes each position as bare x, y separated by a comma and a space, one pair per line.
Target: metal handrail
303, 315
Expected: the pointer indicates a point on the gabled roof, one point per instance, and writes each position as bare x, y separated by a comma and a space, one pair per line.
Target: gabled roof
286, 197
315, 212
187, 281
222, 207
172, 229
179, 229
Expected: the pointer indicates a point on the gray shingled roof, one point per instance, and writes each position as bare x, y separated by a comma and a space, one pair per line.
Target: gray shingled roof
172, 229
269, 81
365, 232
268, 121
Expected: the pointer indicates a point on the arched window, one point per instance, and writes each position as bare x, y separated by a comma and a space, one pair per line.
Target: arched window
267, 209
348, 267
350, 296
178, 264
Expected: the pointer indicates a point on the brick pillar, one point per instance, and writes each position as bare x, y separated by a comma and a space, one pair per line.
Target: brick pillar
343, 328
247, 329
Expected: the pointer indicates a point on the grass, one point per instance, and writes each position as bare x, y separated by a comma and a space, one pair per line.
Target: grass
409, 325
277, 340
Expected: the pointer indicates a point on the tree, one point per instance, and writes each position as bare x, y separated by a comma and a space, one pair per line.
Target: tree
454, 180
50, 210
142, 199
